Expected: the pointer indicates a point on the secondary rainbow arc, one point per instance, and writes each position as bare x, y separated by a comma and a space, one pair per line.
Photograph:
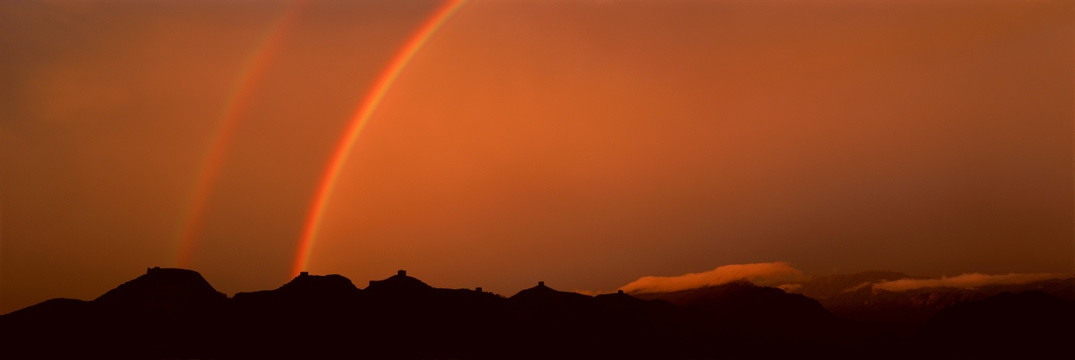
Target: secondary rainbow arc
234, 109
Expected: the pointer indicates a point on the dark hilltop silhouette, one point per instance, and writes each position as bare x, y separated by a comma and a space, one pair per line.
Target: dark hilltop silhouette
175, 313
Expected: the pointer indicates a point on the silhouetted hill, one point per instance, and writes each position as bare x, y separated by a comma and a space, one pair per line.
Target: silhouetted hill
912, 308
163, 313
744, 302
624, 303
164, 289
399, 284
655, 329
1030, 324
755, 321
309, 309
57, 308
304, 289
36, 331
1060, 288
175, 313
542, 315
410, 318
545, 298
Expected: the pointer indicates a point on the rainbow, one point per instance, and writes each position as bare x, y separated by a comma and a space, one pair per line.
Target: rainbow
358, 121
238, 102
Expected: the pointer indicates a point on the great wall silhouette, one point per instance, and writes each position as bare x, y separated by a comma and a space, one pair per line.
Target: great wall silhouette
176, 313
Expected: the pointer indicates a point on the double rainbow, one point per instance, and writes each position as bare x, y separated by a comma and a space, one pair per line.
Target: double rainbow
239, 101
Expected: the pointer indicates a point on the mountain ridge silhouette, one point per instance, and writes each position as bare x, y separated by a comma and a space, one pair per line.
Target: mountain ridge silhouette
176, 313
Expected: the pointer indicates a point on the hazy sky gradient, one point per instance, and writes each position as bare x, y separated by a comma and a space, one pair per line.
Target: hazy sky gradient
586, 144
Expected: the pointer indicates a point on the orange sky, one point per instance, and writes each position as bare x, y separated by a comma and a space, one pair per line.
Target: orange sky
586, 144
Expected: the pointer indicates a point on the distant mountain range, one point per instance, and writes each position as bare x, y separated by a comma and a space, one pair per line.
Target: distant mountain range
175, 313
857, 296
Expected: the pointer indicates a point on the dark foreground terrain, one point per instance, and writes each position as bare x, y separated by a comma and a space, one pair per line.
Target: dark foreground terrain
175, 313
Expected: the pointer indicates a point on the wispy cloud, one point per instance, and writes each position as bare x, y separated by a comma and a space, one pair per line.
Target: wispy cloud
765, 274
965, 281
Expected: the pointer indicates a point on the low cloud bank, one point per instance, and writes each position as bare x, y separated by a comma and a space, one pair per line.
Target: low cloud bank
762, 274
965, 281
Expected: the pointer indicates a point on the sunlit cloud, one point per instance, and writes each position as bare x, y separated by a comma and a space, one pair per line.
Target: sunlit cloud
965, 281
764, 274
